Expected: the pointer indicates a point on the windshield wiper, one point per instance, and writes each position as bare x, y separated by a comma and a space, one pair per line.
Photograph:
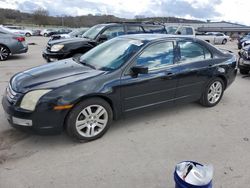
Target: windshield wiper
86, 64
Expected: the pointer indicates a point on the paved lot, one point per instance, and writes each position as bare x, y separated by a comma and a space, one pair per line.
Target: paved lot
137, 152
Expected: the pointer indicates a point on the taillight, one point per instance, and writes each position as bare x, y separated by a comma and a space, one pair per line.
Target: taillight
19, 39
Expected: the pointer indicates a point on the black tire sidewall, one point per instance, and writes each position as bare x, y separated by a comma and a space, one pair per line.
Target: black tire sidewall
204, 99
71, 119
244, 72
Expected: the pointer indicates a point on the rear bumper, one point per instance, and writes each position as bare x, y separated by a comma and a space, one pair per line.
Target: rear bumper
42, 121
20, 48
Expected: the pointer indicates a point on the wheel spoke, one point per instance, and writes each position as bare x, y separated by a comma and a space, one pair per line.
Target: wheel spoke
210, 96
89, 110
81, 122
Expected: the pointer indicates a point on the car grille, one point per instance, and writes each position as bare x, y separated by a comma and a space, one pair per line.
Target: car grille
11, 95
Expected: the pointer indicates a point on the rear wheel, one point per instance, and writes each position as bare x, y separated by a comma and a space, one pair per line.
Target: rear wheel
4, 53
45, 34
244, 71
213, 93
27, 34
90, 119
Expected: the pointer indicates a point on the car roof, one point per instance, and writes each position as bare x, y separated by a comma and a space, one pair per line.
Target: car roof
152, 37
130, 23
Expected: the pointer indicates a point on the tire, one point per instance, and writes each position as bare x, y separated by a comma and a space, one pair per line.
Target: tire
224, 41
244, 71
45, 34
27, 34
212, 97
90, 126
4, 53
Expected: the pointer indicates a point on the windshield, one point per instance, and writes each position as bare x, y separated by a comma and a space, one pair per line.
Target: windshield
111, 54
93, 32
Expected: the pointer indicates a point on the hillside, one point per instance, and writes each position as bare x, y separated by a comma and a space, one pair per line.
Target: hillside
42, 18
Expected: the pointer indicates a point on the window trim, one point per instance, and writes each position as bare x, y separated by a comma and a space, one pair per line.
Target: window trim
199, 44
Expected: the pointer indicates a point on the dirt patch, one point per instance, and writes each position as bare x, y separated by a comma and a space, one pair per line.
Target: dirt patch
10, 137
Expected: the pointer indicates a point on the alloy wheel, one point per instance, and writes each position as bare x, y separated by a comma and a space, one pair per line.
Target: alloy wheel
4, 53
214, 92
91, 121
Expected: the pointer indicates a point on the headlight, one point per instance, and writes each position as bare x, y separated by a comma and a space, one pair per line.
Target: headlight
31, 98
56, 48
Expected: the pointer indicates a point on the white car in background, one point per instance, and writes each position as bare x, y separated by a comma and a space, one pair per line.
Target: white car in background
220, 38
45, 32
19, 30
189, 31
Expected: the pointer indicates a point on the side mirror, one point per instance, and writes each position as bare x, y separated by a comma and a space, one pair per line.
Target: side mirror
102, 38
139, 70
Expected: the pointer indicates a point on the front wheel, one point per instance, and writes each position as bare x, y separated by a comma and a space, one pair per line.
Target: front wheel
224, 41
213, 93
90, 119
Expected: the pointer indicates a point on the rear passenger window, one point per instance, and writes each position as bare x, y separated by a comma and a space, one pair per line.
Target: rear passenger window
112, 32
192, 52
134, 29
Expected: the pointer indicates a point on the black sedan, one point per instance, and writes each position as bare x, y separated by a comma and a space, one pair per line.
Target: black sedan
121, 76
244, 60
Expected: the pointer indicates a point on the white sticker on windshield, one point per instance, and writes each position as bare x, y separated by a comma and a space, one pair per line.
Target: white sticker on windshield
136, 42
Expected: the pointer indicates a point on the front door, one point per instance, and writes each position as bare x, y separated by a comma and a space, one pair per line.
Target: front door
155, 88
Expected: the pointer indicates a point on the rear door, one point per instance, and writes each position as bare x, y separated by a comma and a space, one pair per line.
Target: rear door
195, 62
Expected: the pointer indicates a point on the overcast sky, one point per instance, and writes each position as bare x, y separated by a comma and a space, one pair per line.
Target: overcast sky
215, 10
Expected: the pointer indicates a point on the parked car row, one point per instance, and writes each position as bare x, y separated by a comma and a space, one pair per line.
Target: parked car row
75, 47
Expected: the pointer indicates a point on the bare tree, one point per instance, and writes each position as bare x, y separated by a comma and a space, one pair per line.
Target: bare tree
41, 16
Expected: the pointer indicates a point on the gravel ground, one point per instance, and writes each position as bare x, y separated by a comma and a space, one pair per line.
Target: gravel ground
139, 151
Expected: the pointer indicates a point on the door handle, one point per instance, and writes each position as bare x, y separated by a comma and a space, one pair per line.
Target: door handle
168, 76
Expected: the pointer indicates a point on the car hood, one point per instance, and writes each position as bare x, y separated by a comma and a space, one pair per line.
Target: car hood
68, 41
52, 75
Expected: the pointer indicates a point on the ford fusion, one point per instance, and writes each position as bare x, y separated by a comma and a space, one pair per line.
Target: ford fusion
121, 76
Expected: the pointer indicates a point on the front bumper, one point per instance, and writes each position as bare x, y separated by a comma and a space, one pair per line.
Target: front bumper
244, 64
41, 121
50, 56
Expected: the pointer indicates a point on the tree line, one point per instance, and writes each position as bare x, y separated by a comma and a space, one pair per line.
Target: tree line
41, 17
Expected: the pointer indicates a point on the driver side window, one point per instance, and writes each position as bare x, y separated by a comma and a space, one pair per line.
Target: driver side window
112, 32
157, 56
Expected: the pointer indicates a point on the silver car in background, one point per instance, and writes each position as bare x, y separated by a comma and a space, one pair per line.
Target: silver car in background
11, 43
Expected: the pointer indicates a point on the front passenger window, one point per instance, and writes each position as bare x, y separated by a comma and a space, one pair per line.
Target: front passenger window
157, 56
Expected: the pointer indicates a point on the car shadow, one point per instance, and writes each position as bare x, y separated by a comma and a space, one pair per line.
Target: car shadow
146, 117
16, 57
